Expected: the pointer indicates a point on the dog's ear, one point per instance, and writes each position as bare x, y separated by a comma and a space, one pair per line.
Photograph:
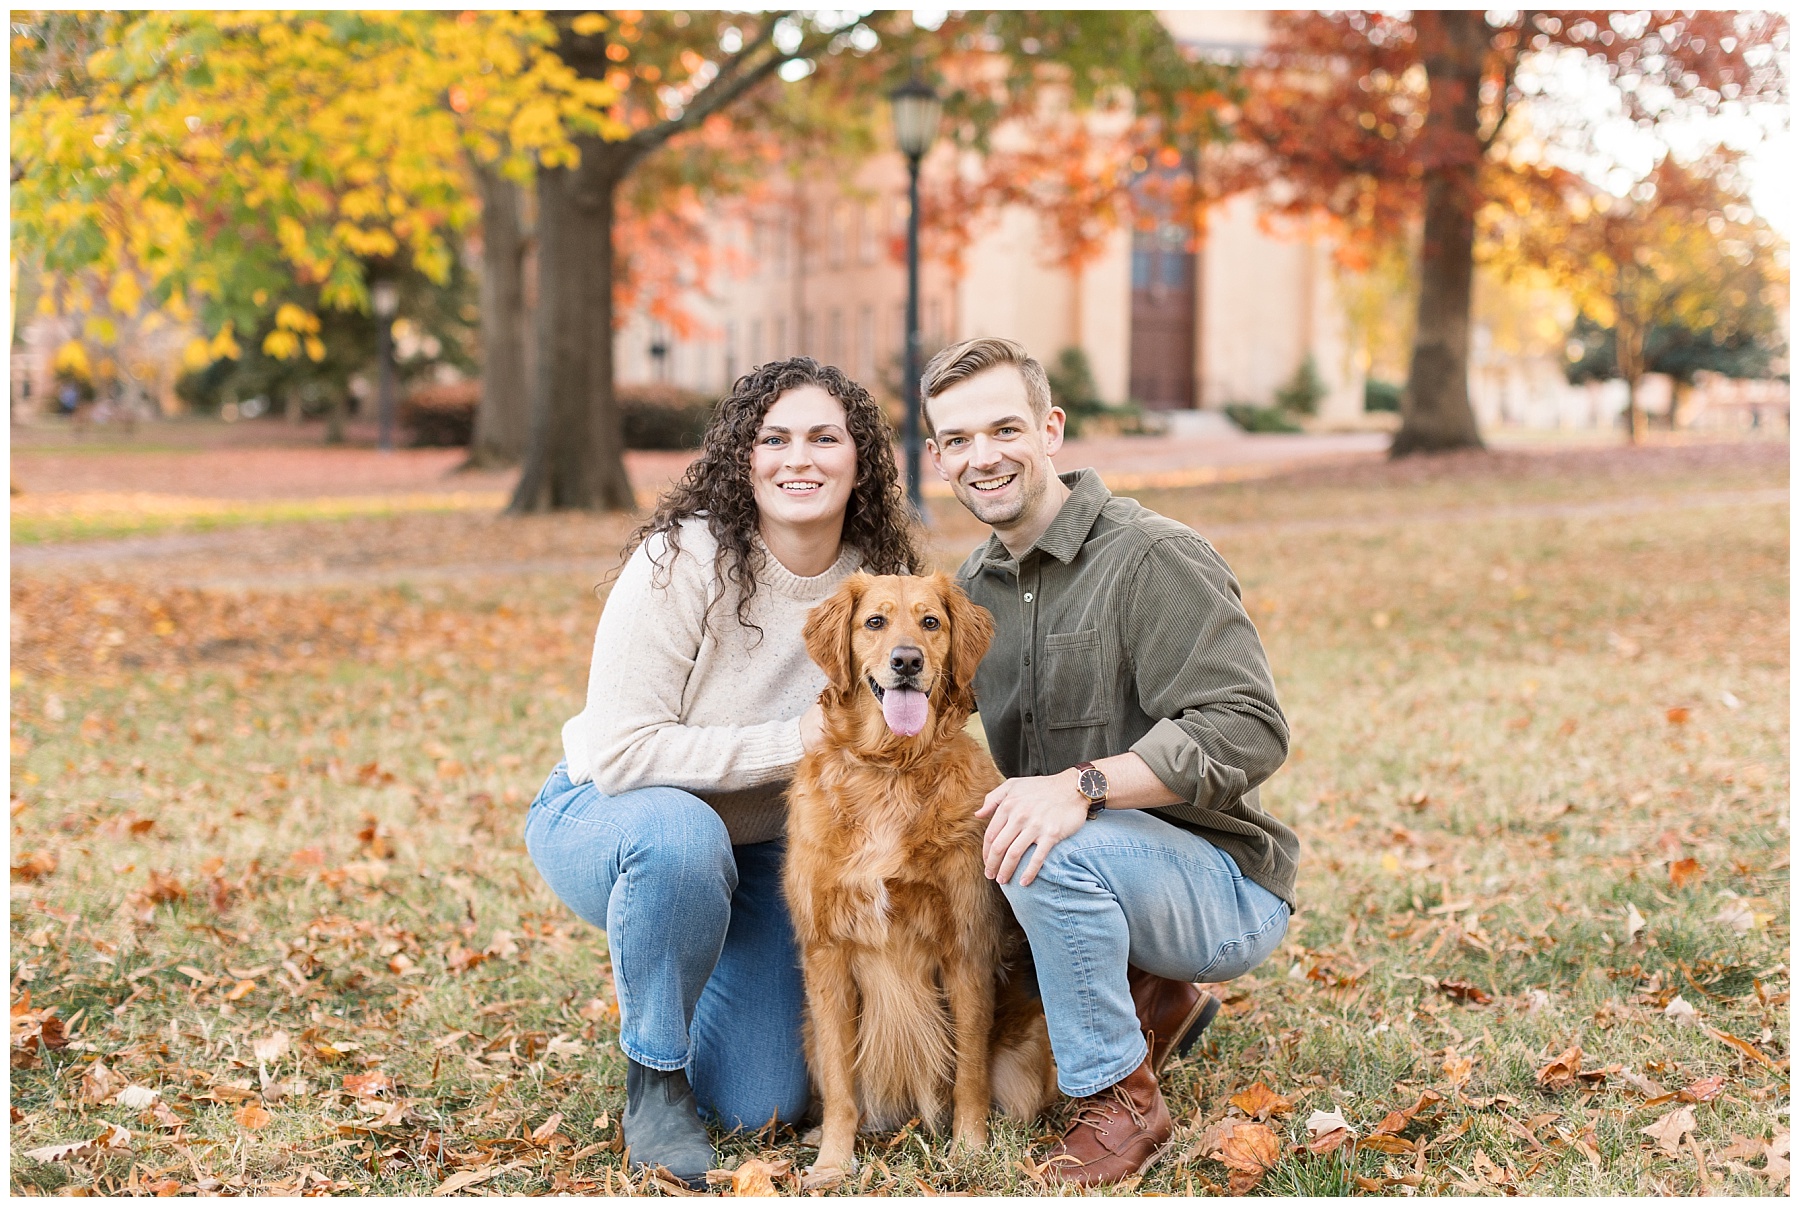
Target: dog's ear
971, 632
827, 632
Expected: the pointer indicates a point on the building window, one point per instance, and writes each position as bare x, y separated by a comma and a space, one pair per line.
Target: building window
839, 233
869, 231
865, 343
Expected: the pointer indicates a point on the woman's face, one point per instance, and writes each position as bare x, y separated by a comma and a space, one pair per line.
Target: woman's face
803, 464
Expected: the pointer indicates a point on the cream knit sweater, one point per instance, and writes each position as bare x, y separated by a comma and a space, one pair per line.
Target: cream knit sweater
716, 713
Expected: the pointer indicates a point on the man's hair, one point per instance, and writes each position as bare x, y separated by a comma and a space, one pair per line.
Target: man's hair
959, 362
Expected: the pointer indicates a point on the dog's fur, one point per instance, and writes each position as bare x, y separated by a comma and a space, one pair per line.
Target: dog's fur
907, 948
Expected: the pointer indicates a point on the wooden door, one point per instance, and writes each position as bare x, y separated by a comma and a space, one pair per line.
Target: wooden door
1162, 320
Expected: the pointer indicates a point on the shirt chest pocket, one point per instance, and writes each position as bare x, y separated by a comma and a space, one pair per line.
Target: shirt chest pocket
1072, 690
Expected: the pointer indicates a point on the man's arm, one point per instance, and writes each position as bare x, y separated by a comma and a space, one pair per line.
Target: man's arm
1200, 666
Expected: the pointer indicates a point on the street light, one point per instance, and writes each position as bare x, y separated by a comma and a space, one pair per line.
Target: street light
387, 301
916, 112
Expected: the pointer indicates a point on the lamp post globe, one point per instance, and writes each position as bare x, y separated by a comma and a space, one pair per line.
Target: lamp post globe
916, 111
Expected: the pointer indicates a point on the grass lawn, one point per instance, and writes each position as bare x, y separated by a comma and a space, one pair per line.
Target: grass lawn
272, 914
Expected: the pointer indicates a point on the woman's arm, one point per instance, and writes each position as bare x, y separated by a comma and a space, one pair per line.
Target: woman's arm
630, 734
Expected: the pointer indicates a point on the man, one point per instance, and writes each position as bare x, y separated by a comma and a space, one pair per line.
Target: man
1128, 699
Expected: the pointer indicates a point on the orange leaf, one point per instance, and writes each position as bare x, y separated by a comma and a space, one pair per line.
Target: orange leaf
1259, 1102
1462, 991
367, 1085
1561, 1073
1678, 716
1250, 1148
238, 990
1704, 1090
755, 1178
252, 1117
34, 865
1683, 870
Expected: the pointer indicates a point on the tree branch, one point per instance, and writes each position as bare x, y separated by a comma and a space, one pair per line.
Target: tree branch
1506, 79
724, 88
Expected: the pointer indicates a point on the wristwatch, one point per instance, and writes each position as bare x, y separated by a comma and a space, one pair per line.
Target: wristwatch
1092, 784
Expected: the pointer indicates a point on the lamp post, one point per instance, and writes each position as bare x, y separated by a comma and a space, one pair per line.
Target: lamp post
916, 112
387, 301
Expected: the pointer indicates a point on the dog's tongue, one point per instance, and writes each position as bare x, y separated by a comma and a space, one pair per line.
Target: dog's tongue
904, 710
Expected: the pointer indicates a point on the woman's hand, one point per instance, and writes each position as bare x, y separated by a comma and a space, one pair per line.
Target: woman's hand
812, 727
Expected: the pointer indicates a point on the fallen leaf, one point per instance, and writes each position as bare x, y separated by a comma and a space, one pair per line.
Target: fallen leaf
1669, 1130
1457, 1068
99, 1083
547, 1129
1678, 716
1329, 1130
755, 1178
1250, 1151
1642, 1084
1395, 1121
1562, 1072
240, 990
1634, 922
251, 1117
1744, 1047
1259, 1102
34, 865
1682, 1012
1462, 991
474, 1177
114, 1137
271, 1048
1737, 915
367, 1085
1704, 1090
1682, 872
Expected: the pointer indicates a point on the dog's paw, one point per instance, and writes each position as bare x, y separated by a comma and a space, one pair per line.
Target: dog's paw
972, 1137
825, 1177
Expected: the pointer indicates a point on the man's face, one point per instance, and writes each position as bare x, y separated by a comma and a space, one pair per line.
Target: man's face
995, 456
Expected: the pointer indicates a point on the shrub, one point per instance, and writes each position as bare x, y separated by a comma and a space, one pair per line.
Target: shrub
663, 416
1253, 418
1303, 390
1381, 396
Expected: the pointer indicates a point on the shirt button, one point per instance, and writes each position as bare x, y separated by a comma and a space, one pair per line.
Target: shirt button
1028, 660
1027, 597
1028, 716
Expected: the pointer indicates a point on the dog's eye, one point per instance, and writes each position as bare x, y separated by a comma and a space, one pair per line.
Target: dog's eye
874, 622
930, 622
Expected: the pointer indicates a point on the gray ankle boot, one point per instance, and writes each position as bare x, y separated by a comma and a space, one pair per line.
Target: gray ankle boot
662, 1126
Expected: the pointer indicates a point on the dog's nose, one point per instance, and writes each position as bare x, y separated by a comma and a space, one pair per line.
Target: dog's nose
907, 660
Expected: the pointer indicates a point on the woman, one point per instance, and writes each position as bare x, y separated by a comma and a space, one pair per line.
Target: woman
663, 825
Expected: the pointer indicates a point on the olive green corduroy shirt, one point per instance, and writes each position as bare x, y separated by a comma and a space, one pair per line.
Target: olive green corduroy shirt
1121, 629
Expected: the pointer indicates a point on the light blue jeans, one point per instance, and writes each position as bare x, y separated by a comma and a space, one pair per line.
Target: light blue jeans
1129, 888
702, 946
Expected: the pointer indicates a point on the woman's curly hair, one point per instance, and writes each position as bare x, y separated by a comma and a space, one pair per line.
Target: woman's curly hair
717, 485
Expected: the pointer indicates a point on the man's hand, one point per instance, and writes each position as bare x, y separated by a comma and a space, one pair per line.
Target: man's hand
812, 727
1037, 811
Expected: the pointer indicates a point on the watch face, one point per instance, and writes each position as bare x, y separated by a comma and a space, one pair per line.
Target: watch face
1093, 784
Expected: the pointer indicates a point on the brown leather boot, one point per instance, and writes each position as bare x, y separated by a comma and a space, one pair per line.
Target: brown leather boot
1113, 1134
1171, 1013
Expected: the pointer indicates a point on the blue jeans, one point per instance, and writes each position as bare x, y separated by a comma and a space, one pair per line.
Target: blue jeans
1129, 888
703, 950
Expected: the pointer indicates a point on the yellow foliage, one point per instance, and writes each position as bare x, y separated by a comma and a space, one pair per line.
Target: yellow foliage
71, 360
282, 345
290, 317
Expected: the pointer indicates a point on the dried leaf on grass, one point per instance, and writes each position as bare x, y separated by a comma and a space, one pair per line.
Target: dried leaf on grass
34, 865
1682, 1012
1248, 1150
251, 1117
114, 1137
475, 1177
1329, 1130
1669, 1130
1683, 872
755, 1177
1395, 1121
1260, 1102
1562, 1072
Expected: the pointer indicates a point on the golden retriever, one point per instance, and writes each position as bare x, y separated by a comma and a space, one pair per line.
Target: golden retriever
907, 949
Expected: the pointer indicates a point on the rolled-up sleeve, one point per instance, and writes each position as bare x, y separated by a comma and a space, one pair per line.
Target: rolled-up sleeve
1199, 664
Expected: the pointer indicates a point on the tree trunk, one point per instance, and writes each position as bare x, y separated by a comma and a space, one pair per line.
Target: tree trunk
1629, 339
1435, 415
574, 458
503, 420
